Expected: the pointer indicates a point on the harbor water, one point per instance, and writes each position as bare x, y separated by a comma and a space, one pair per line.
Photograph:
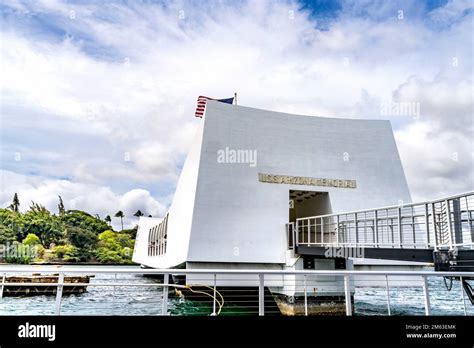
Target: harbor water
147, 300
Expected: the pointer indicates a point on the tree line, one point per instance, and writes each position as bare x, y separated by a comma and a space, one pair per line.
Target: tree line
38, 235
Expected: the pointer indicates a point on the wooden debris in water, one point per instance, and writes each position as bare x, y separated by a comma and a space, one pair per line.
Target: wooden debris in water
38, 278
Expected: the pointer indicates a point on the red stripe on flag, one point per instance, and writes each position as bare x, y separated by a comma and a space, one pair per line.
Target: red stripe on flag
201, 105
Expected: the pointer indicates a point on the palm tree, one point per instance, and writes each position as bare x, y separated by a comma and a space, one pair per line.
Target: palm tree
108, 219
138, 213
120, 215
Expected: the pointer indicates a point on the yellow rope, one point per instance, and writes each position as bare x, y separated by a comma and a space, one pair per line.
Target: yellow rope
221, 304
222, 298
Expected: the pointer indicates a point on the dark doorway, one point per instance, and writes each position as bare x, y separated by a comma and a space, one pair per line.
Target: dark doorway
308, 203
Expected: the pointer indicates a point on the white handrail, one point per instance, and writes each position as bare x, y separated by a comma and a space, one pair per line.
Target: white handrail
180, 271
407, 205
346, 275
433, 225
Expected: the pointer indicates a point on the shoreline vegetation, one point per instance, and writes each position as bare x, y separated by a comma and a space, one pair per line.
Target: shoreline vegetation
70, 237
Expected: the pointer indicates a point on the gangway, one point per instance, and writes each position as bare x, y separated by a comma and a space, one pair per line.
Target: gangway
439, 231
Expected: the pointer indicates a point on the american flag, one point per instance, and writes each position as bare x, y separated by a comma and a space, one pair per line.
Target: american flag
201, 104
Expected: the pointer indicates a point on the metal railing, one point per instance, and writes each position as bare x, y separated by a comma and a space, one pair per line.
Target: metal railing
446, 223
234, 292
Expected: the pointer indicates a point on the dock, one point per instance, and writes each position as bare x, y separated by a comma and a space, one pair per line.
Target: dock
38, 284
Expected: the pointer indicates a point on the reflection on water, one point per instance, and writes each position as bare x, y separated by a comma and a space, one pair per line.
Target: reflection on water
147, 300
410, 300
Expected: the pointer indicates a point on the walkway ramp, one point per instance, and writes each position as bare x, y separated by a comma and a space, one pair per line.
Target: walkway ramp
439, 231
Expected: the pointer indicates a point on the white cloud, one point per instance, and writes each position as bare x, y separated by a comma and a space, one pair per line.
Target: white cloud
129, 76
91, 198
436, 163
448, 103
139, 199
437, 149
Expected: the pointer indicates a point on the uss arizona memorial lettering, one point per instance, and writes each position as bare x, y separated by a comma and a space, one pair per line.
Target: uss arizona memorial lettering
302, 180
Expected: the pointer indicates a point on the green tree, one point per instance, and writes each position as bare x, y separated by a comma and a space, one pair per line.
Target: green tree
138, 213
83, 240
7, 235
68, 253
35, 249
38, 208
120, 215
39, 221
15, 206
61, 209
114, 247
20, 253
31, 239
108, 219
131, 232
11, 226
78, 218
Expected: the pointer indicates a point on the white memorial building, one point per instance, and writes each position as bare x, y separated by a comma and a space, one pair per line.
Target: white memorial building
249, 172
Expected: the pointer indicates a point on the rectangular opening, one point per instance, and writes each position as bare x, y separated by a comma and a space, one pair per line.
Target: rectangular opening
308, 203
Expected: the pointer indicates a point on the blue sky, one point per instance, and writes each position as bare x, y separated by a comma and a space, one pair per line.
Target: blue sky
97, 100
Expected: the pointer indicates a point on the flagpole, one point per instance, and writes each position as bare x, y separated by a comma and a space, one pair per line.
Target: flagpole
235, 98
